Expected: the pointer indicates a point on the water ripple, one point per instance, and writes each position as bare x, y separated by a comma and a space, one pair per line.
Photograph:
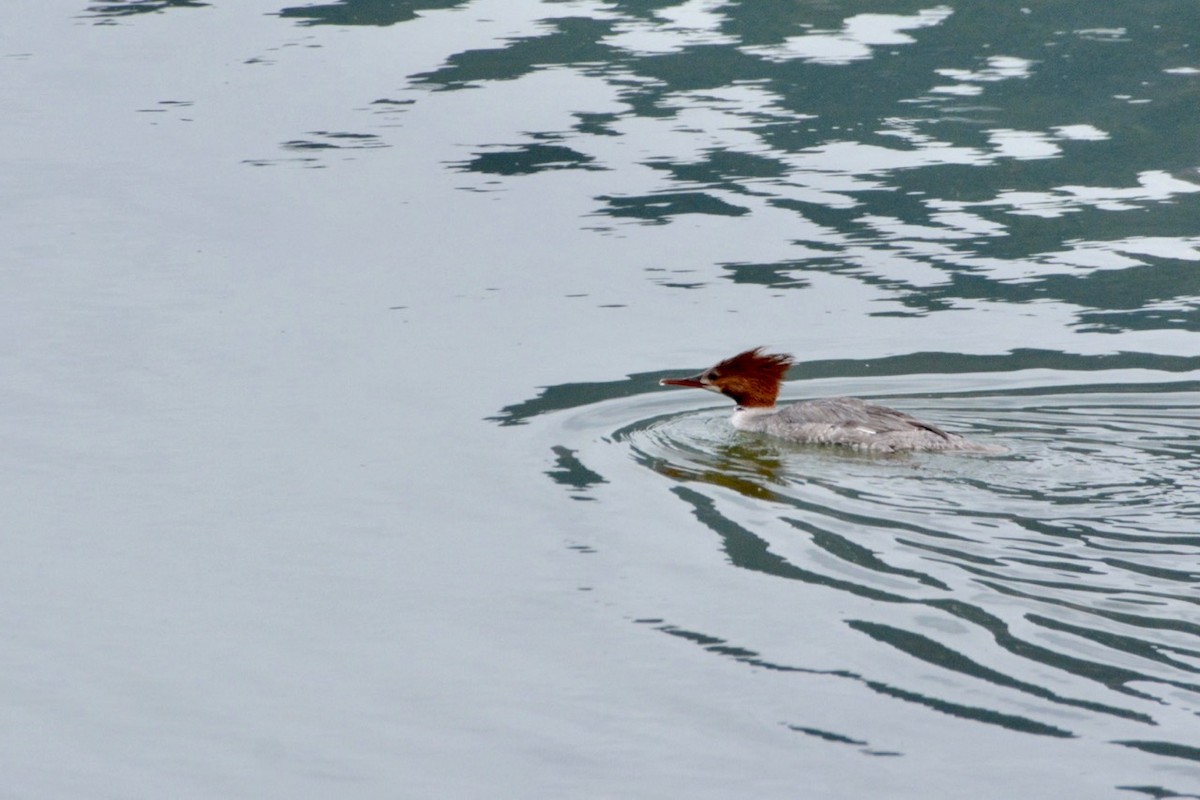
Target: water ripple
1061, 575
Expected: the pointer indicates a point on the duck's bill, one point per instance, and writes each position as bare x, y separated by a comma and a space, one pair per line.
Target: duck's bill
692, 382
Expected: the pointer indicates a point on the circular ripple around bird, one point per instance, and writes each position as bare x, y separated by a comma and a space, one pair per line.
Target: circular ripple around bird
1076, 555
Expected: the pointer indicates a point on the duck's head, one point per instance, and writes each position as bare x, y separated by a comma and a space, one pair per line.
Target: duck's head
751, 379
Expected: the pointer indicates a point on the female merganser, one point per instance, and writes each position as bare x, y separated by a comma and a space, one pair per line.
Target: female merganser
751, 379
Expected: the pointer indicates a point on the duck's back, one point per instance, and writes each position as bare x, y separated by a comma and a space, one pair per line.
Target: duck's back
850, 422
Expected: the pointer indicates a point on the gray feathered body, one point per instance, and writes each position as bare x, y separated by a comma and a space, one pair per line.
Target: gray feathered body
854, 423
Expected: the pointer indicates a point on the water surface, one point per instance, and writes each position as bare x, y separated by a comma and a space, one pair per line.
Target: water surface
335, 461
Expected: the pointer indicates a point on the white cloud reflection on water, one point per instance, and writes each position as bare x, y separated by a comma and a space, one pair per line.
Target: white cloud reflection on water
862, 36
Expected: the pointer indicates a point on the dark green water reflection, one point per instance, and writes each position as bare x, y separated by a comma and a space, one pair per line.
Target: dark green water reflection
1025, 154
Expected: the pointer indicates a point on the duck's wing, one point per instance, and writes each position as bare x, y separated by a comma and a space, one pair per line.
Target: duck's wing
852, 413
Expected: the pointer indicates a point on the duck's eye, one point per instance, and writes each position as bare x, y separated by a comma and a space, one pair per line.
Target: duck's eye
712, 376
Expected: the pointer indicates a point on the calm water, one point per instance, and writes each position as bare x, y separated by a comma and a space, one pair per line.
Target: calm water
334, 461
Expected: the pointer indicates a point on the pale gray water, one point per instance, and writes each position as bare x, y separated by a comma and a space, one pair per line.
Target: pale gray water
334, 461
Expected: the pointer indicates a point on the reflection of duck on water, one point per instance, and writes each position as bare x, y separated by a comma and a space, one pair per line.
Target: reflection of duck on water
751, 379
